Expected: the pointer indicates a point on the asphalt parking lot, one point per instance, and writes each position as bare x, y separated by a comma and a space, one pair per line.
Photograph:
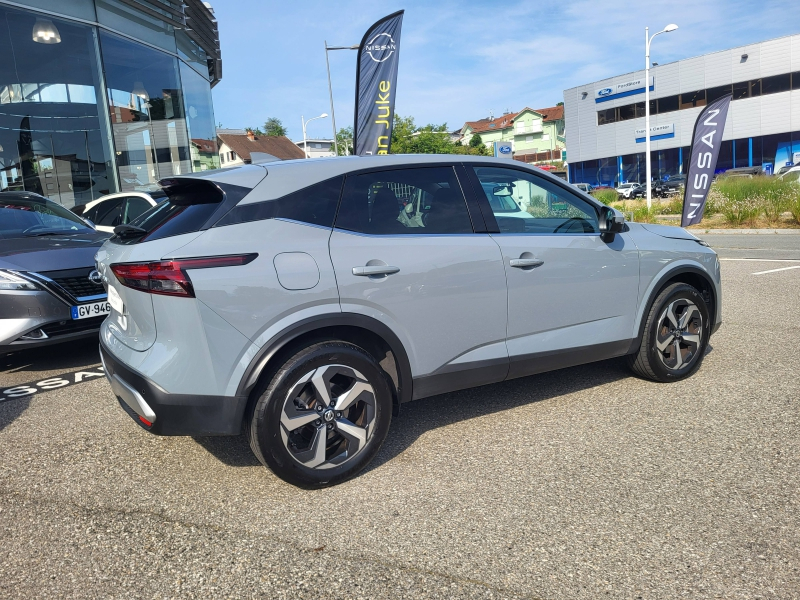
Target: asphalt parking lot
581, 483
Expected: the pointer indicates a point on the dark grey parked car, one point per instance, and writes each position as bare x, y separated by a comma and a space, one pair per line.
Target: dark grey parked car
49, 289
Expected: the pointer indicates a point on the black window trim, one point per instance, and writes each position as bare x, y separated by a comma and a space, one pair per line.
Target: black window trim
491, 221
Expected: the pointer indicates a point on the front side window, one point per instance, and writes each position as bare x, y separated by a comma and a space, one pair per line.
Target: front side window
404, 201
525, 203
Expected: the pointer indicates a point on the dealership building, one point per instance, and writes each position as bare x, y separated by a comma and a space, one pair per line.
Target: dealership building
605, 129
102, 96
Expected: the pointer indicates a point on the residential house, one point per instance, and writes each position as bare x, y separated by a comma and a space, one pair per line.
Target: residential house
235, 148
537, 135
317, 148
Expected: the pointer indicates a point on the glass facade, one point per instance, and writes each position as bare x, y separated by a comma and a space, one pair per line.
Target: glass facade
86, 111
768, 151
740, 91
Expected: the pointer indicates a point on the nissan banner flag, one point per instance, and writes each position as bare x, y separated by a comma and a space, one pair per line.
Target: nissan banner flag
376, 86
706, 141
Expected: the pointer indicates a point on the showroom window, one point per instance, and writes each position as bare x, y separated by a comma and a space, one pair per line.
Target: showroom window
404, 201
199, 119
53, 135
776, 84
692, 99
608, 115
147, 116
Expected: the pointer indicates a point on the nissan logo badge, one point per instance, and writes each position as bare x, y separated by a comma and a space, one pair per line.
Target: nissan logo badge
95, 277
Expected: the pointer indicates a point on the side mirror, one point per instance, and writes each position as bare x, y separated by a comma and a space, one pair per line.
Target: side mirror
611, 222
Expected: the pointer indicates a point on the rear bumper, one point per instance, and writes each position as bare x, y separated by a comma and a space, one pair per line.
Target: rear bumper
172, 414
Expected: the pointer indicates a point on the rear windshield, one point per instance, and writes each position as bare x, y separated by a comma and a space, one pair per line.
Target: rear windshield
32, 216
188, 207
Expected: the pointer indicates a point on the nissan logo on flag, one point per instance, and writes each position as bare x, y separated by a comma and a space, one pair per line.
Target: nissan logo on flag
376, 86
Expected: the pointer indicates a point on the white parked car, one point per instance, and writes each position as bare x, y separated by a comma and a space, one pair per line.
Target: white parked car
792, 174
117, 209
628, 190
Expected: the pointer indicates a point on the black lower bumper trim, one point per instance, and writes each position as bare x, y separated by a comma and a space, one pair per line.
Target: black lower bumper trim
180, 414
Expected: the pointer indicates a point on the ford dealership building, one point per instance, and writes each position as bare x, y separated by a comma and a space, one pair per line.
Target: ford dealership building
605, 119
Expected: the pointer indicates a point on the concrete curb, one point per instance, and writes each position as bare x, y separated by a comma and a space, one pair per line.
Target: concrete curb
746, 231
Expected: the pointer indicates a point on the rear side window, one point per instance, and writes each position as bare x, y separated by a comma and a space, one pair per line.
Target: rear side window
315, 205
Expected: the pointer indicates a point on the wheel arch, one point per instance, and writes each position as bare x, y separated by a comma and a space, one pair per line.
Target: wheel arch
368, 333
688, 273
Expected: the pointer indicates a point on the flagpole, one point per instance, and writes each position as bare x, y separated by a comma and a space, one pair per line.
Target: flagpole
330, 90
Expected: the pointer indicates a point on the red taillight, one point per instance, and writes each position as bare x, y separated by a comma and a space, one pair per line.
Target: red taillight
169, 277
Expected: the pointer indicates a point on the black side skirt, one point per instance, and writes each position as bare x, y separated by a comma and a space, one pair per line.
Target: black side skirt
459, 377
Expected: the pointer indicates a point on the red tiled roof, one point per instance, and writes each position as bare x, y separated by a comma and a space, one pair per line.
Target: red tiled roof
276, 145
554, 113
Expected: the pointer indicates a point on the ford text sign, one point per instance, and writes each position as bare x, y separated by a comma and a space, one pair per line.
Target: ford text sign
627, 88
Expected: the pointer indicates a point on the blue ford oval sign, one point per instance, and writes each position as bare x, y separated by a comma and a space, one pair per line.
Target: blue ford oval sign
504, 149
604, 92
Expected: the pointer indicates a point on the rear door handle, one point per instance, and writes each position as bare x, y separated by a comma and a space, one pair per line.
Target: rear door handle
522, 263
371, 271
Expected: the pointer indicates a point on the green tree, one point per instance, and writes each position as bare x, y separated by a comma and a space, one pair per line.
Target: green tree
476, 141
274, 126
344, 139
255, 130
408, 138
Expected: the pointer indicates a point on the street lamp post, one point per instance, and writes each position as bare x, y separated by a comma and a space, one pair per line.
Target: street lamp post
302, 120
647, 41
330, 88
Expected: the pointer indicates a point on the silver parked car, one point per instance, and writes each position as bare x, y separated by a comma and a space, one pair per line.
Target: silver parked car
305, 301
50, 291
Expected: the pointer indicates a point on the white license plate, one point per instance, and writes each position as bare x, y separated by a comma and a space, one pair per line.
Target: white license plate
92, 309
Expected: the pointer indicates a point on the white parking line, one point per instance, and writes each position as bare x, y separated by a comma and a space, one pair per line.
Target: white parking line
776, 270
765, 259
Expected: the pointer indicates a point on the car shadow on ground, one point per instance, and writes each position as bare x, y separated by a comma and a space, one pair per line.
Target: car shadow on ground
438, 411
58, 357
11, 409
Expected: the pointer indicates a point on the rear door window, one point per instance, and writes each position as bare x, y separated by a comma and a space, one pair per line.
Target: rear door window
412, 201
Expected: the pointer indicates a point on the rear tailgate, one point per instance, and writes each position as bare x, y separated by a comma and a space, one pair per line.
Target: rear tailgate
194, 204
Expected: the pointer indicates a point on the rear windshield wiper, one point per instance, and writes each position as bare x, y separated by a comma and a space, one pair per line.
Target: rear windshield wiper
124, 231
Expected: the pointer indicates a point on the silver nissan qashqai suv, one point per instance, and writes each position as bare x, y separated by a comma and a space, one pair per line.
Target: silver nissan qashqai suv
306, 300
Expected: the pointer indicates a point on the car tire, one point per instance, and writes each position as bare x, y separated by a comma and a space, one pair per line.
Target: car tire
675, 335
322, 416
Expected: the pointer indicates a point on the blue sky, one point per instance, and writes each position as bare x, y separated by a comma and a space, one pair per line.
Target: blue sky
458, 60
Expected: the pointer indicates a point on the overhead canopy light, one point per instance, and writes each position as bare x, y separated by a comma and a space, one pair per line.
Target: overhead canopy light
138, 90
45, 32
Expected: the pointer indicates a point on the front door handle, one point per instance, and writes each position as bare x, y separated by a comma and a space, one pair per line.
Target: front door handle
525, 263
373, 270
